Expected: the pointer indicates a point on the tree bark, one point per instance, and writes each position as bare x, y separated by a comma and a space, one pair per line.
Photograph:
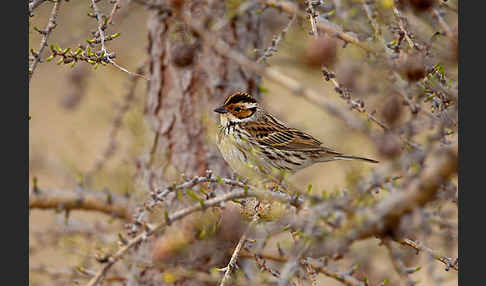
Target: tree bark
188, 80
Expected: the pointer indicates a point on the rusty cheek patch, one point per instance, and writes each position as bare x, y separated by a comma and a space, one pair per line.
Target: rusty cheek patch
239, 110
244, 113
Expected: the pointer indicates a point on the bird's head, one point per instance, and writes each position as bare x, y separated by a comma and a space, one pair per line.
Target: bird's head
238, 107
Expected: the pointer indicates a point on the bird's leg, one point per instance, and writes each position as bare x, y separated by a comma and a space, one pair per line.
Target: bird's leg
276, 182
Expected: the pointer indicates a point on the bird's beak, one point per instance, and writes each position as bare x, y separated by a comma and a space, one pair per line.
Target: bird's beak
221, 110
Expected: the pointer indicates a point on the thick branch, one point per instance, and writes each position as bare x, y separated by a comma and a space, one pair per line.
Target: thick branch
202, 205
386, 216
81, 200
443, 165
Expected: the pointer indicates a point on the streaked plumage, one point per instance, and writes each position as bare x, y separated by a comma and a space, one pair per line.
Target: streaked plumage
256, 144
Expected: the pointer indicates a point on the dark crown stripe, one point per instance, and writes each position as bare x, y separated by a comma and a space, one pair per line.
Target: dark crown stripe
239, 97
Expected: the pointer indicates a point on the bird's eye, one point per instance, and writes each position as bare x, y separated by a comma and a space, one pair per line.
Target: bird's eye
237, 109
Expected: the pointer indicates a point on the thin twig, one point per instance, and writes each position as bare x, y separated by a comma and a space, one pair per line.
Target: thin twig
260, 260
312, 273
447, 4
116, 7
371, 17
112, 259
125, 70
397, 262
71, 273
45, 35
102, 36
116, 126
101, 25
383, 218
232, 263
158, 196
322, 268
285, 81
418, 246
34, 4
442, 23
343, 93
401, 24
275, 41
152, 5
291, 8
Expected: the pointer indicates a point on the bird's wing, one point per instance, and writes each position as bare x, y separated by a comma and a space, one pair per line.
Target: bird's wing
276, 134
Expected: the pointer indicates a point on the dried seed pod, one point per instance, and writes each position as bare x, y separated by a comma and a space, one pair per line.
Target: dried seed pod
411, 66
419, 5
183, 54
176, 4
389, 146
320, 51
392, 110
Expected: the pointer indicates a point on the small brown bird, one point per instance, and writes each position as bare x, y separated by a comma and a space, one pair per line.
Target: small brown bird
257, 145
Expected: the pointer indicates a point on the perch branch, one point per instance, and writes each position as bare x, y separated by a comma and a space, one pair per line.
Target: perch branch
202, 205
159, 195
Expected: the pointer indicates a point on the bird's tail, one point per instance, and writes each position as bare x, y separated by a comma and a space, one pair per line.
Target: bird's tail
347, 157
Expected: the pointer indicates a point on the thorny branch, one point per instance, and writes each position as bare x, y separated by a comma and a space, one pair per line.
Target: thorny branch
34, 4
442, 23
71, 273
345, 94
418, 193
381, 219
158, 195
109, 261
232, 263
320, 267
102, 25
402, 24
45, 35
449, 262
275, 41
67, 200
395, 258
290, 8
111, 147
367, 6
276, 76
